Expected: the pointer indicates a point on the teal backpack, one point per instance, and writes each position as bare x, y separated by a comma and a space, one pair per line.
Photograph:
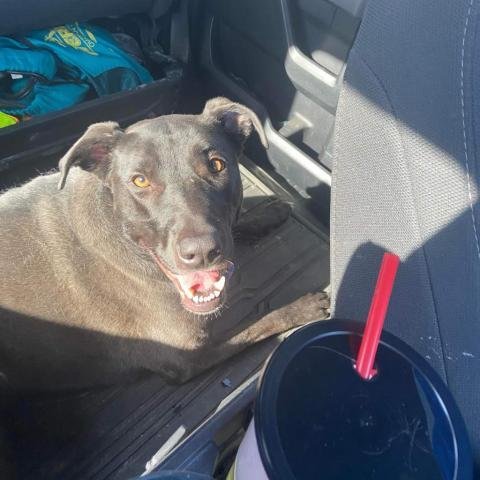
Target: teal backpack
52, 69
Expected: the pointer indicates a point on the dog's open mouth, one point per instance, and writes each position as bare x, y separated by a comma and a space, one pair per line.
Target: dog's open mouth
201, 291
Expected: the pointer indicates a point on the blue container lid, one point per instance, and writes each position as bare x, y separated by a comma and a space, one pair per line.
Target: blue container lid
315, 418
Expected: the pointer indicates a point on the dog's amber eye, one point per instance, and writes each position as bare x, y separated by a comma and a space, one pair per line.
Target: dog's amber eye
140, 181
216, 165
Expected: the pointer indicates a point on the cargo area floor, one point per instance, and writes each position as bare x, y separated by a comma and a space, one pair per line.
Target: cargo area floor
112, 433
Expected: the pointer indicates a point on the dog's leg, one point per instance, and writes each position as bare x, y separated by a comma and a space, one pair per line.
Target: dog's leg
261, 221
306, 309
310, 307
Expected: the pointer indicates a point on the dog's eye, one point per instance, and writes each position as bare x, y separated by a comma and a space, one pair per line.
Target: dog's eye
140, 181
216, 165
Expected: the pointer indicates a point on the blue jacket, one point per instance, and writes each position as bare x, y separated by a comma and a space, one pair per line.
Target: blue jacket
54, 68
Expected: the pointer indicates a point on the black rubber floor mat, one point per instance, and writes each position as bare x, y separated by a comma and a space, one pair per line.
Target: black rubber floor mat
113, 433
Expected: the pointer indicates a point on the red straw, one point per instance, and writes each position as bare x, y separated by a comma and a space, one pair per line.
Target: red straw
376, 316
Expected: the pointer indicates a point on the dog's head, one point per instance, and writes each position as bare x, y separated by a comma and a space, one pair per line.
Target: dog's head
176, 190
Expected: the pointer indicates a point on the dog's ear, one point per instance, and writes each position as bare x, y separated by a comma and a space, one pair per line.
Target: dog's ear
235, 118
91, 151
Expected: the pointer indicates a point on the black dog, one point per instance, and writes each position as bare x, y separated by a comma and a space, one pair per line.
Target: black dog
122, 263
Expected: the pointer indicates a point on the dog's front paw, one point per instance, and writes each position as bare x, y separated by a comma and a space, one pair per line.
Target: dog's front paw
309, 308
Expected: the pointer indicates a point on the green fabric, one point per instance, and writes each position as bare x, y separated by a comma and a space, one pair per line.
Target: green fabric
6, 120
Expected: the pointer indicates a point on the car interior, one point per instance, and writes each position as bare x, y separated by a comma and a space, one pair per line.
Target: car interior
370, 111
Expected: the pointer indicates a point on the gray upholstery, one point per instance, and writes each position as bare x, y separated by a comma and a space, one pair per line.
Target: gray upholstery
405, 179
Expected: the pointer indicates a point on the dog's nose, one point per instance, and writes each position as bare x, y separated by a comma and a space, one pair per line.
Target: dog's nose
198, 251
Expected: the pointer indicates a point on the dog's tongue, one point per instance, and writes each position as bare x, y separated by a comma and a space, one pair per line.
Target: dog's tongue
205, 281
200, 281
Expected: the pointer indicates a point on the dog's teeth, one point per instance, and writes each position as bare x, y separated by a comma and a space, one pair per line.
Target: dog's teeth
207, 298
189, 294
220, 284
